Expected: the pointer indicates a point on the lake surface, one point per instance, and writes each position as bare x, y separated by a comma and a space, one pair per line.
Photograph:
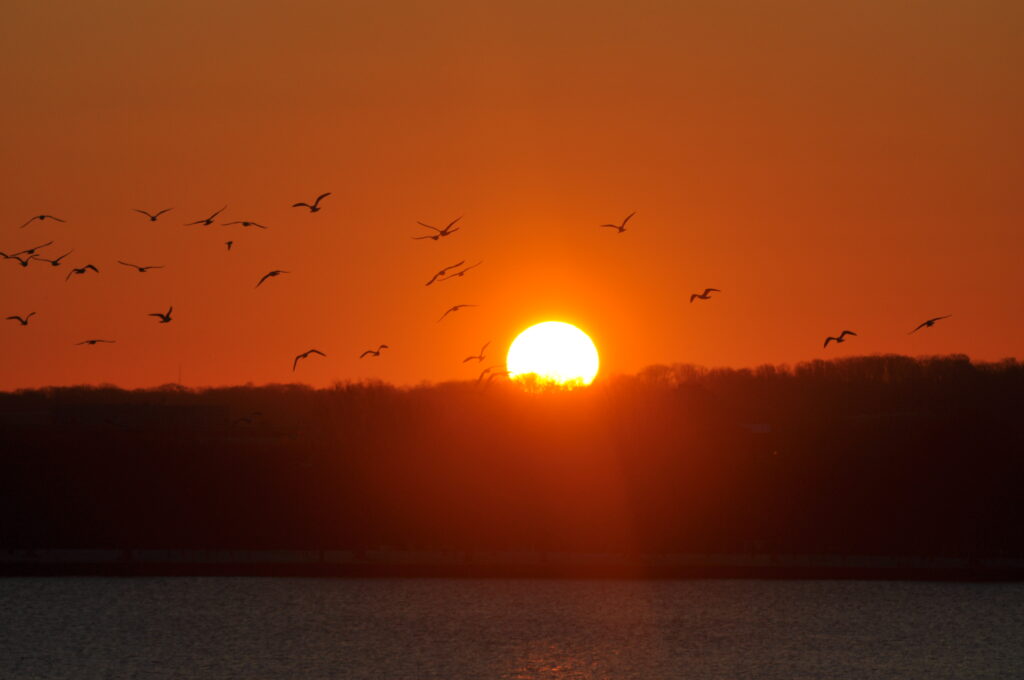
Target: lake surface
401, 629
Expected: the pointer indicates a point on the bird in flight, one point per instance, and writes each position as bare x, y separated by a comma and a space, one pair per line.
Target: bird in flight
463, 272
22, 261
164, 318
479, 357
440, 232
93, 342
40, 218
841, 338
142, 270
454, 308
706, 295
81, 270
929, 323
373, 352
276, 272
620, 227
304, 355
54, 262
315, 207
245, 223
229, 244
209, 220
444, 271
152, 216
23, 320
32, 250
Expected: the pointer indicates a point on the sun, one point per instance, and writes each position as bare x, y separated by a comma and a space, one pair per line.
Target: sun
552, 353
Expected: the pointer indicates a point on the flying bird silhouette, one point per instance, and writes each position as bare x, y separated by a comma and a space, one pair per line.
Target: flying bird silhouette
245, 223
164, 318
444, 271
463, 272
304, 355
620, 227
33, 249
454, 309
929, 323
22, 261
229, 244
315, 207
440, 232
706, 295
209, 220
841, 338
142, 270
276, 272
152, 216
487, 370
23, 320
55, 262
81, 270
93, 342
41, 218
479, 357
374, 352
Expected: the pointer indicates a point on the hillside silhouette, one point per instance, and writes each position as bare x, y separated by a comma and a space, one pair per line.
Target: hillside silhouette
885, 455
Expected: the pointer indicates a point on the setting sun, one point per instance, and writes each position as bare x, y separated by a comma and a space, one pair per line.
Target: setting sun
556, 353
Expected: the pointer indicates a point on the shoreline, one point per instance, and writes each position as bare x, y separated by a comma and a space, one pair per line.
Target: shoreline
438, 564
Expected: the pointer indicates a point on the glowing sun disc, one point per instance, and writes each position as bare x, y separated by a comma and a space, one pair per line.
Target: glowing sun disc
557, 353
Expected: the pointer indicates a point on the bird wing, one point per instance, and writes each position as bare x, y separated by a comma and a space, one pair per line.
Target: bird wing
92, 267
447, 232
257, 224
316, 351
457, 264
321, 197
420, 238
143, 212
628, 218
192, 224
9, 318
369, 351
485, 346
847, 333
940, 318
217, 213
169, 310
30, 221
301, 205
711, 290
163, 211
30, 315
452, 223
156, 314
919, 327
692, 296
613, 226
265, 277
55, 218
296, 362
69, 275
432, 279
469, 359
128, 264
450, 309
828, 340
422, 224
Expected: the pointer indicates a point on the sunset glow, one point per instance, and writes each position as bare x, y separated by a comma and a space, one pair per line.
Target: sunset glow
556, 353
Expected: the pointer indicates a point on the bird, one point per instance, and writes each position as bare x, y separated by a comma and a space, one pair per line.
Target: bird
304, 355
444, 271
33, 249
374, 352
479, 357
245, 223
440, 232
40, 218
54, 262
152, 216
93, 342
706, 295
463, 272
22, 261
620, 227
455, 308
142, 270
229, 244
81, 270
164, 318
316, 204
22, 320
841, 338
209, 220
929, 323
268, 275
486, 371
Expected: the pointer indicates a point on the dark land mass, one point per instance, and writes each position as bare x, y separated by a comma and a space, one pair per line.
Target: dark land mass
804, 471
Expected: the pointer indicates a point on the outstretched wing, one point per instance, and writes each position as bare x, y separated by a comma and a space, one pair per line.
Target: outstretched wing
301, 205
316, 351
129, 264
420, 238
265, 277
452, 223
296, 362
628, 218
321, 197
828, 340
163, 211
30, 221
55, 218
143, 212
844, 333
427, 226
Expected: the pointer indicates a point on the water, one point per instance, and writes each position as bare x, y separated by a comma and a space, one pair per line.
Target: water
401, 629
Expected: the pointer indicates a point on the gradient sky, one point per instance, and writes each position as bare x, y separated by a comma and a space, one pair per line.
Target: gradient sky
827, 164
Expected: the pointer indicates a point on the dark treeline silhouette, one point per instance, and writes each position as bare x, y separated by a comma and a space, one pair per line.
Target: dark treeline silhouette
869, 455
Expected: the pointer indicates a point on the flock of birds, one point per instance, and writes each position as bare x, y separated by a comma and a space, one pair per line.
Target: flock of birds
29, 255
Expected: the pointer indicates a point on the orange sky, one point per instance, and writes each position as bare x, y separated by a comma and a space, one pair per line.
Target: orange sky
827, 164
